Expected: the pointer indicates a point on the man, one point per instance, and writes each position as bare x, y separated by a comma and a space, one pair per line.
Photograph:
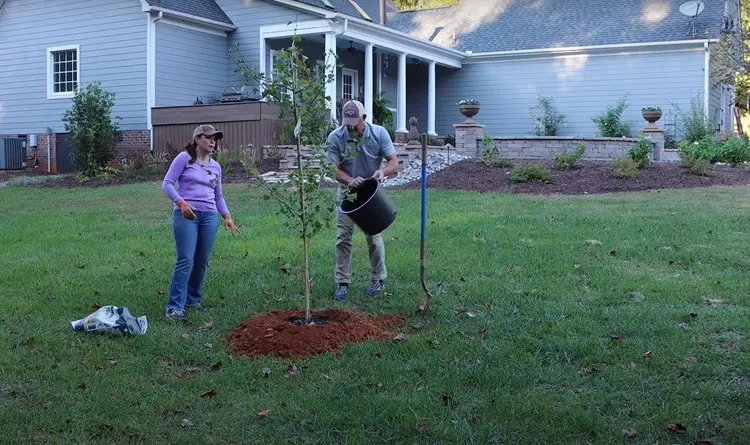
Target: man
358, 148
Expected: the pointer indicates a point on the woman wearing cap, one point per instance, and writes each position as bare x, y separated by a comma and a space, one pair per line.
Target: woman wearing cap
198, 201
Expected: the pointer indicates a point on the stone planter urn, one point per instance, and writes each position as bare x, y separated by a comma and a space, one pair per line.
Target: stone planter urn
651, 115
469, 111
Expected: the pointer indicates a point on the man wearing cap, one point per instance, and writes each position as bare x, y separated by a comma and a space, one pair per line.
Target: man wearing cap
358, 148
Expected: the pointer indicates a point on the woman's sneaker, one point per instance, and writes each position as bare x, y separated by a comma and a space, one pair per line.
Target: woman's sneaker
176, 314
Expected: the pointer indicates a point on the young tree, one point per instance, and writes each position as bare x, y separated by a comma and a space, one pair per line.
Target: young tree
93, 135
299, 90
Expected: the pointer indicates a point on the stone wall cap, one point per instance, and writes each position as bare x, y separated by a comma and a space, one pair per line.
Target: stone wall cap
468, 126
563, 138
653, 130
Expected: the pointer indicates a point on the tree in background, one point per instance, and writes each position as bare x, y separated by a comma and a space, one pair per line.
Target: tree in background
411, 5
742, 84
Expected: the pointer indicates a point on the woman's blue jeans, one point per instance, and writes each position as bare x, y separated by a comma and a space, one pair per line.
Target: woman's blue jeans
194, 241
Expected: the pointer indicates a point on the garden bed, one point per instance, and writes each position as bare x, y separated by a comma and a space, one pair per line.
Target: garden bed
588, 177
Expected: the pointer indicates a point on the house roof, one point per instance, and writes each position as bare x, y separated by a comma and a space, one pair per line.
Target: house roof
508, 25
370, 7
206, 9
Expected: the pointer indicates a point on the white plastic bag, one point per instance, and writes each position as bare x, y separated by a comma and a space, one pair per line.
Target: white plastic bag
113, 320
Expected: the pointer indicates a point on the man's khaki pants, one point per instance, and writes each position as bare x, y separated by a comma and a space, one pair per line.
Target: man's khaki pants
344, 232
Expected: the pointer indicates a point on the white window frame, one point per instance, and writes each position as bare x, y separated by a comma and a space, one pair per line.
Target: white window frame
355, 83
51, 74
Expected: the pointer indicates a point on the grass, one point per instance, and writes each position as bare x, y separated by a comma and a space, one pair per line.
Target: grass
539, 336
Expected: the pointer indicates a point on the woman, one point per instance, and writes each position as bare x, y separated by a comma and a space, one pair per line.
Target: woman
197, 198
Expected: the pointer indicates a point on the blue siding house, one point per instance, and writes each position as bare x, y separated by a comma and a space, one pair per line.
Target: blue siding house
174, 53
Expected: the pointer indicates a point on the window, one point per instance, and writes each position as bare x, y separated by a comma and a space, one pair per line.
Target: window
63, 71
349, 84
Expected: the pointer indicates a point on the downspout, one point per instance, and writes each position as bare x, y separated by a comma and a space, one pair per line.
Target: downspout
151, 73
706, 76
49, 150
382, 12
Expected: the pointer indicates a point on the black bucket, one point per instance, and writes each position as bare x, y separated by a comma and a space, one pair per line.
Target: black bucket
373, 211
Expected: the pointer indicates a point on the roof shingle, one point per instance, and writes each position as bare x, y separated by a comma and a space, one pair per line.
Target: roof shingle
207, 9
507, 25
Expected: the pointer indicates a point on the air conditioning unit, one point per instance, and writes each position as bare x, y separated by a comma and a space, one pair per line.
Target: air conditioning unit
12, 154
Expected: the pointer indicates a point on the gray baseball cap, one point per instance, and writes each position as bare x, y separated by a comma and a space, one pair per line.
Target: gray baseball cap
352, 112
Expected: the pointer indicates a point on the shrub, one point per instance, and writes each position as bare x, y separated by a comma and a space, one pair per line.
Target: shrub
701, 167
93, 135
567, 160
735, 151
531, 172
695, 123
548, 123
609, 122
624, 168
706, 148
505, 162
490, 153
640, 151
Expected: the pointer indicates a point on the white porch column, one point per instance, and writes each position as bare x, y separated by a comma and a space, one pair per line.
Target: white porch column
401, 108
368, 82
330, 63
431, 100
379, 61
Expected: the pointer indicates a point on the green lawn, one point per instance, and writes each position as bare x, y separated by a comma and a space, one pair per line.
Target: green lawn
548, 370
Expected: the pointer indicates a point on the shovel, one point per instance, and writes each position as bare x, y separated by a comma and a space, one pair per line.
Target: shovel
422, 251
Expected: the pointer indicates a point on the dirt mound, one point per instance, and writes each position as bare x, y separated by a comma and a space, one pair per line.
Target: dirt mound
280, 333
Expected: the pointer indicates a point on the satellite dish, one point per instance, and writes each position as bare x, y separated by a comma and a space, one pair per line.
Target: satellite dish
692, 8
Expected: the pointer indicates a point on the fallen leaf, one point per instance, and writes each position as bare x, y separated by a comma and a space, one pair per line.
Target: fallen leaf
186, 336
210, 394
399, 338
115, 396
292, 371
468, 383
265, 372
160, 292
684, 326
690, 359
676, 428
588, 371
648, 355
378, 355
285, 270
471, 314
483, 333
263, 414
113, 362
41, 434
732, 346
95, 306
489, 306
35, 351
207, 325
613, 252
616, 339
510, 269
216, 367
629, 433
209, 345
104, 427
186, 422
593, 242
421, 425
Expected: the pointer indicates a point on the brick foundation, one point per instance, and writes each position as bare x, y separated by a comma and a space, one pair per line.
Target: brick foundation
132, 143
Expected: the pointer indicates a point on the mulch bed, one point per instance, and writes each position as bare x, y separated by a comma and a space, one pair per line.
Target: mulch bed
273, 334
588, 177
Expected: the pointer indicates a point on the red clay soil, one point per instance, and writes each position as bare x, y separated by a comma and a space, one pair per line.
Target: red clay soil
589, 177
272, 334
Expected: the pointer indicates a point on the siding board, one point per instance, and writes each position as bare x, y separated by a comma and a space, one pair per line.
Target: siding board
113, 51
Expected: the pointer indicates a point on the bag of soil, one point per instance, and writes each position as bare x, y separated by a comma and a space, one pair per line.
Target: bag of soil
112, 320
